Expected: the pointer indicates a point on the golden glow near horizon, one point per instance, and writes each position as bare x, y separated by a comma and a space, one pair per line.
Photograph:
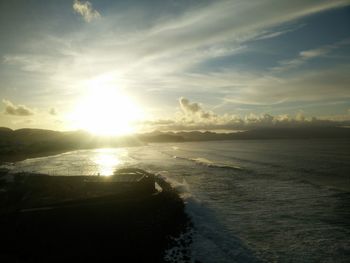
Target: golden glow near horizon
105, 110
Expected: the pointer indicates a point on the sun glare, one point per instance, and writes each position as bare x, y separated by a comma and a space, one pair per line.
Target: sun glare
106, 111
106, 162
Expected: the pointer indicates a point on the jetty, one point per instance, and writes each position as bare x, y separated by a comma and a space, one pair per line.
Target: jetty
132, 216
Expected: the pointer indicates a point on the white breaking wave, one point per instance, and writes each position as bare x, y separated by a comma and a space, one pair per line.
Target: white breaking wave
214, 164
211, 164
208, 240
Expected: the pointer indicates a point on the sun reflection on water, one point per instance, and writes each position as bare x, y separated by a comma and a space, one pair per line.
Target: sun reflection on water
107, 160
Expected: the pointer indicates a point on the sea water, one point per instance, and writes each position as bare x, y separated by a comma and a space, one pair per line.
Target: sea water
250, 201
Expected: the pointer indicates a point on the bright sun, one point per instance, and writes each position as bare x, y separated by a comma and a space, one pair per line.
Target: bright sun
106, 111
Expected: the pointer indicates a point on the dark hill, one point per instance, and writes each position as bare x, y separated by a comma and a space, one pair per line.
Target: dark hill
24, 143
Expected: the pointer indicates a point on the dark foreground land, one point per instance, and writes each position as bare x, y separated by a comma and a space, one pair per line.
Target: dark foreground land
61, 221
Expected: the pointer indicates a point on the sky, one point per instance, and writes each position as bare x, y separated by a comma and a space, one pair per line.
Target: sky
123, 66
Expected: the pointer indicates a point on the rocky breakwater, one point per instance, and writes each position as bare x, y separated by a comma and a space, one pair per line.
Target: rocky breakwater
64, 219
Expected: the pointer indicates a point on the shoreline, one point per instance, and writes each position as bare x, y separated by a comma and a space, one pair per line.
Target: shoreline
8, 158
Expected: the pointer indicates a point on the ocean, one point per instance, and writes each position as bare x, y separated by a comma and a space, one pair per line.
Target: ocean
250, 201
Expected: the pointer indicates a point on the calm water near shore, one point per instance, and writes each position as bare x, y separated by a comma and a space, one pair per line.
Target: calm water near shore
250, 201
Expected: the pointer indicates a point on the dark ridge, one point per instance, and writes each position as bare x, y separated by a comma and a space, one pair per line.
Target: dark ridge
20, 144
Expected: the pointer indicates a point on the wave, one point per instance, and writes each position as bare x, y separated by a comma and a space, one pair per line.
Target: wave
209, 241
209, 163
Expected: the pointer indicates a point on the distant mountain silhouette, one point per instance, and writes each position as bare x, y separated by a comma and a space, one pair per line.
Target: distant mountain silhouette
24, 143
260, 133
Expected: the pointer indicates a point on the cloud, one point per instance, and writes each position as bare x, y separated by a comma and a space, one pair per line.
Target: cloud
31, 63
85, 10
272, 34
300, 116
189, 107
53, 111
254, 89
21, 122
191, 118
194, 110
302, 58
195, 116
134, 42
337, 117
159, 50
307, 55
17, 110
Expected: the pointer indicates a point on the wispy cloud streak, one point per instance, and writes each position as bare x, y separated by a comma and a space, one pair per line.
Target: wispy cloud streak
310, 54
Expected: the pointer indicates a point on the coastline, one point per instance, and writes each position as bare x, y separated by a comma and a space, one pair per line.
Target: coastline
11, 158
